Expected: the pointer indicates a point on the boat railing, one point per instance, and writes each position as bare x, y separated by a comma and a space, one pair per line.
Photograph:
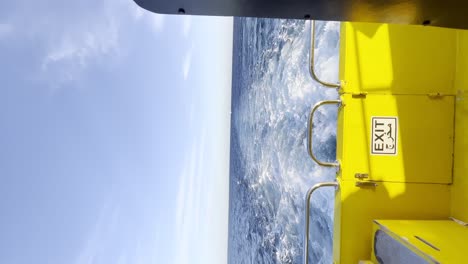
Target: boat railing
310, 131
307, 214
312, 60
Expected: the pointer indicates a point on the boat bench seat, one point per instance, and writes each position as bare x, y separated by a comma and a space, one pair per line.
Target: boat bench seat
419, 241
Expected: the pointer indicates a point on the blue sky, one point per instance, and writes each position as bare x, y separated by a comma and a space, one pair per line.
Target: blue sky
115, 134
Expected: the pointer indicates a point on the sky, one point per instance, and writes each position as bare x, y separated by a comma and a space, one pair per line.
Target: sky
115, 134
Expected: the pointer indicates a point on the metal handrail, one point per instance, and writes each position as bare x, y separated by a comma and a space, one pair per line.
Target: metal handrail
307, 200
309, 135
312, 60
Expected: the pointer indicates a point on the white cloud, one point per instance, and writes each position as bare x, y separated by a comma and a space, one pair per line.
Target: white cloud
191, 109
157, 22
95, 243
84, 35
136, 11
83, 46
123, 259
5, 29
72, 52
75, 41
189, 203
187, 64
187, 25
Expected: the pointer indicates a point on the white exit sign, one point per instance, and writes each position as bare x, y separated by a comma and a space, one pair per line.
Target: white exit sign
384, 135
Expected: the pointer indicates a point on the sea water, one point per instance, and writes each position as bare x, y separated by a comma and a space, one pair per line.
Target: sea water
270, 170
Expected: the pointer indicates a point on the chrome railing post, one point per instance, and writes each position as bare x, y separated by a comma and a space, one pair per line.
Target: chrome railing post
309, 135
309, 140
307, 212
312, 59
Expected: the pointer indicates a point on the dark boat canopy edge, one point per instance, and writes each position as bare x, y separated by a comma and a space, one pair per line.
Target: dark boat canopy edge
448, 13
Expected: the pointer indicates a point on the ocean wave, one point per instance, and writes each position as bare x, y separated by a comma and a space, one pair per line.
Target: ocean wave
270, 168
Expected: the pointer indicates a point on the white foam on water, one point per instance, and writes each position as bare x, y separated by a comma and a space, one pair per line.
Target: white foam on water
270, 119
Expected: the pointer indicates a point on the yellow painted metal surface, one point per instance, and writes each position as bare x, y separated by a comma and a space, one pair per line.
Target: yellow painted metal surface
460, 170
397, 59
450, 238
396, 71
358, 207
424, 138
